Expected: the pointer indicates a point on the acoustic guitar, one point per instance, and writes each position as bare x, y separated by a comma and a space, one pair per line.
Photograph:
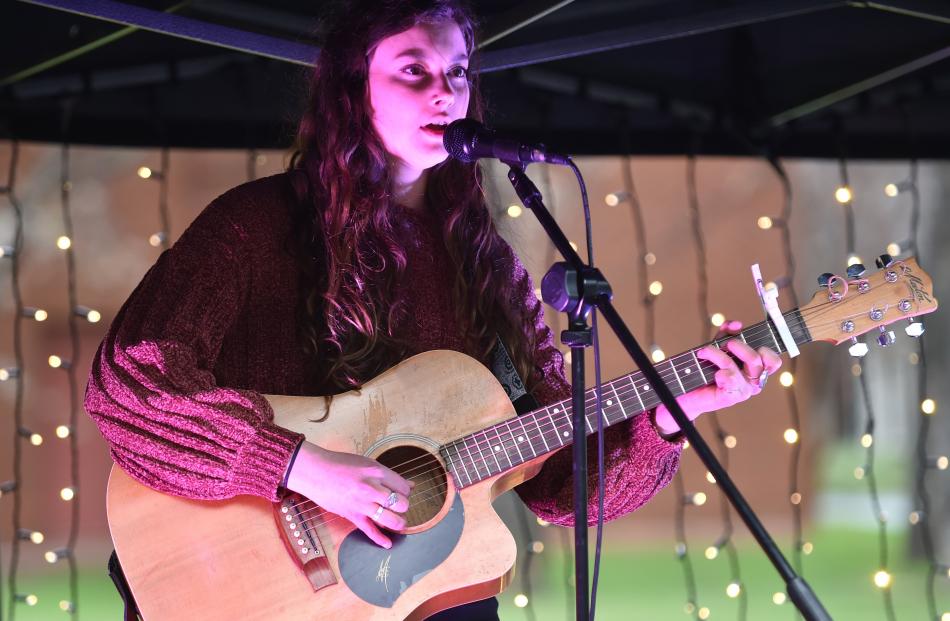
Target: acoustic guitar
441, 419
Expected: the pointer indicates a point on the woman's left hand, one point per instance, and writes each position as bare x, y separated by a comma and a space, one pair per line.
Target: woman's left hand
733, 384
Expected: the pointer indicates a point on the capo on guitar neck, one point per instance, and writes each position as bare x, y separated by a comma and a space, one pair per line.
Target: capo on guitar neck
769, 299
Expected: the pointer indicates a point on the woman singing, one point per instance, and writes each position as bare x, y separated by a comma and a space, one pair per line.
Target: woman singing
372, 247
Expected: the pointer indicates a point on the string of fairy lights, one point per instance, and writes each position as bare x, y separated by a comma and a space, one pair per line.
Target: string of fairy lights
919, 517
882, 577
735, 588
792, 433
651, 290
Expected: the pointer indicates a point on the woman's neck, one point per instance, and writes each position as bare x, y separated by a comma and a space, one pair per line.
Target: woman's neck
409, 188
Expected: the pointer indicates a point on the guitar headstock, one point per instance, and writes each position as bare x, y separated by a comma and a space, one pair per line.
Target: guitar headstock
848, 306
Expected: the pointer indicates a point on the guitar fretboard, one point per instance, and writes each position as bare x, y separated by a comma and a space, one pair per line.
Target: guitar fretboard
503, 446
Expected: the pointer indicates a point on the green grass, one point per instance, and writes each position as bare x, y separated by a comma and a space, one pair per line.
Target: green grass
643, 583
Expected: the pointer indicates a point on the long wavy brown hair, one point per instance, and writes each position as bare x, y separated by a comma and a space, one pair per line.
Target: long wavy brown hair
345, 222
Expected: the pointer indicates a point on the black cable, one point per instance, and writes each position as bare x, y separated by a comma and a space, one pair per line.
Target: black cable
795, 497
725, 538
18, 436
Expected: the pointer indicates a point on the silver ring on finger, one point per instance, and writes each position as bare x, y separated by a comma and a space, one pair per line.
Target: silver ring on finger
393, 499
763, 378
379, 511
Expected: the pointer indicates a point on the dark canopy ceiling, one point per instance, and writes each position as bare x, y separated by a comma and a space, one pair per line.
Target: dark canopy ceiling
818, 78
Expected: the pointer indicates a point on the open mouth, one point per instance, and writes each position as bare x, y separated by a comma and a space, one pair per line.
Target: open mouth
436, 129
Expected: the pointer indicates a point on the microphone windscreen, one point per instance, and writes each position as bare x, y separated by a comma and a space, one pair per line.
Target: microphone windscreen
460, 139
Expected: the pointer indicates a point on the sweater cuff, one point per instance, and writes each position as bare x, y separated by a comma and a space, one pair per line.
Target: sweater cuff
648, 434
263, 461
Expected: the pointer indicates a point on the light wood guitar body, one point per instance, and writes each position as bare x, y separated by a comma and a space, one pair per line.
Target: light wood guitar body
187, 559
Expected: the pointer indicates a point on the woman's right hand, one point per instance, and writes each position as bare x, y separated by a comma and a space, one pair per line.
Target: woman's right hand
351, 486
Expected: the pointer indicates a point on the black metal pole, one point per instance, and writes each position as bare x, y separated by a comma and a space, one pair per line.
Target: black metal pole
798, 590
581, 581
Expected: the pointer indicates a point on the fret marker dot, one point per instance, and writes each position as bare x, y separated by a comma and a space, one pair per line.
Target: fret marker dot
566, 434
520, 438
497, 448
645, 388
556, 410
610, 401
688, 370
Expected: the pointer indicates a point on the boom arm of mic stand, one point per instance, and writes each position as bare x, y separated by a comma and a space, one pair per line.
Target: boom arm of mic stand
798, 590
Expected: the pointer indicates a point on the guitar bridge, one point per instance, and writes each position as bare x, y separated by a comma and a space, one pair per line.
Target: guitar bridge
295, 516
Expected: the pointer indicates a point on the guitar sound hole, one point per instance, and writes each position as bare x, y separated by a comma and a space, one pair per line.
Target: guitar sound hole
421, 467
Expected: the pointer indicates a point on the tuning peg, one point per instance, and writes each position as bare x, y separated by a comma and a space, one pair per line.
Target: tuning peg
824, 279
883, 261
915, 329
858, 349
886, 337
856, 271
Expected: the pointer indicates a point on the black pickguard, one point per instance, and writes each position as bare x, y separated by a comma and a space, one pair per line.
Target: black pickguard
379, 576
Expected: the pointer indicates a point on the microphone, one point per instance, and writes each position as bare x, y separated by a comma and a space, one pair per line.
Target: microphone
468, 140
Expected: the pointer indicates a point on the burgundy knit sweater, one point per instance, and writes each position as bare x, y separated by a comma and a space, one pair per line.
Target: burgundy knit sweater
176, 385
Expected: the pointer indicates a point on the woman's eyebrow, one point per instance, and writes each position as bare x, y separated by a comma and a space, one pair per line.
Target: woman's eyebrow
420, 54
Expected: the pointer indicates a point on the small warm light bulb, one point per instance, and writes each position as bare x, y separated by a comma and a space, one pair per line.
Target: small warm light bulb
36, 439
859, 473
699, 499
156, 239
786, 378
913, 358
40, 315
730, 441
67, 493
764, 223
717, 319
612, 199
29, 600
8, 373
795, 498
63, 242
770, 286
712, 552
942, 462
55, 361
882, 579
537, 547
778, 598
710, 477
856, 370
808, 547
854, 260
928, 406
66, 606
790, 435
656, 287
521, 600
867, 440
891, 190
843, 194
542, 522
733, 589
515, 211
93, 316
657, 354
62, 432
37, 537
914, 518
649, 258
144, 172
51, 557
703, 613
893, 249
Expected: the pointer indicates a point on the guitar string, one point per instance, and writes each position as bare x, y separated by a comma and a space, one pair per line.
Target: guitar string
508, 442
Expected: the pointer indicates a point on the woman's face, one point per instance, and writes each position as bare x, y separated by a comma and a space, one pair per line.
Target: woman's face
418, 83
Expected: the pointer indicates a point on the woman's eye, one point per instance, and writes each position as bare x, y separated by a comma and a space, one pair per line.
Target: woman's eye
458, 72
413, 70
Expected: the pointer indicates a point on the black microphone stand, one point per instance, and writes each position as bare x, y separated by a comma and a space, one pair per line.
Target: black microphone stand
575, 288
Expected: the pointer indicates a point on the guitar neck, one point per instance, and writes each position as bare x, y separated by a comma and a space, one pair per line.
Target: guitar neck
506, 445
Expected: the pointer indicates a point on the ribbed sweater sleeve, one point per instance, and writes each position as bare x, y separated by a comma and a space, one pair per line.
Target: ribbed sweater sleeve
152, 390
638, 462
